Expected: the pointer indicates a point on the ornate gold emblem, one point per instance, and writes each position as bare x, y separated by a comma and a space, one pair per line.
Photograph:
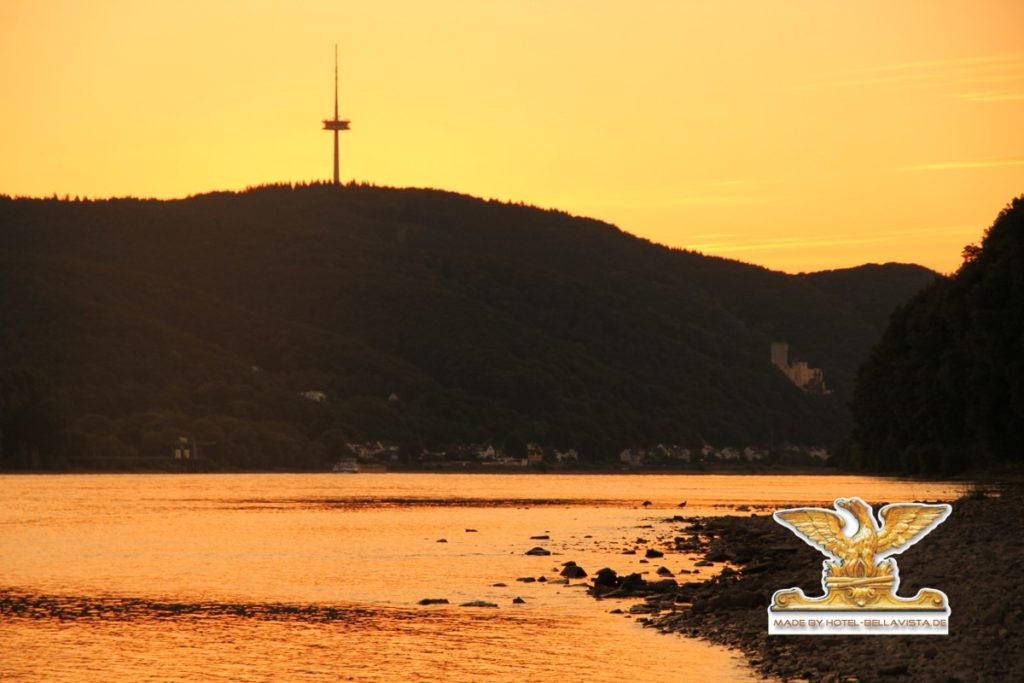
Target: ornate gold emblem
861, 573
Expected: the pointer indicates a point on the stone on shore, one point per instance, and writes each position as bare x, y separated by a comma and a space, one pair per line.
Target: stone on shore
662, 586
606, 577
607, 584
433, 601
573, 571
644, 608
537, 550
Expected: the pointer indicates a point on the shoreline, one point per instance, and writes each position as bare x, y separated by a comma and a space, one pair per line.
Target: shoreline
965, 477
973, 557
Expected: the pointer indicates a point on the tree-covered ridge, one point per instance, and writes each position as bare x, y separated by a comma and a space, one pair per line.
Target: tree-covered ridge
944, 389
146, 320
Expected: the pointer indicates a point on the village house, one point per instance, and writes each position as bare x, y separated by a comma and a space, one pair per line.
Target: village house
632, 457
375, 450
567, 457
754, 454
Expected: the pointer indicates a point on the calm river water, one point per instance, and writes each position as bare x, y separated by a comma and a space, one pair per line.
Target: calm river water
316, 577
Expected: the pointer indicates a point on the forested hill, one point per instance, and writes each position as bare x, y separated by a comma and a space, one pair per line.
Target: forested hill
427, 318
944, 390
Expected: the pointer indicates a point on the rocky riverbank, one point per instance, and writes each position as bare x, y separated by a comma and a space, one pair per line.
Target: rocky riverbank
975, 557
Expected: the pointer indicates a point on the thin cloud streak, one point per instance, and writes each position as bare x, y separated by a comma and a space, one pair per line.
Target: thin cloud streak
802, 242
668, 203
692, 200
672, 201
716, 235
933, 73
728, 183
952, 61
963, 165
991, 96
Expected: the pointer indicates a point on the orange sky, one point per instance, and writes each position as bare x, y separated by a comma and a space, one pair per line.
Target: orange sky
796, 135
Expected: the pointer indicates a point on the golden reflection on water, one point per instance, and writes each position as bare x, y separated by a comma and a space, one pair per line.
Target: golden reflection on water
316, 577
435, 645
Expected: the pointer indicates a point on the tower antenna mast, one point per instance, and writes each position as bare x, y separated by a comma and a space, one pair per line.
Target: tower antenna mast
336, 124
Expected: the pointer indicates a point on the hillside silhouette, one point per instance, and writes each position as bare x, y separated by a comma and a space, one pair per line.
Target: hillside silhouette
944, 390
426, 318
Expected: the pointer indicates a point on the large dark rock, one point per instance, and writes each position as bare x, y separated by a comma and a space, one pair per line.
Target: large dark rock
606, 577
573, 571
633, 582
537, 550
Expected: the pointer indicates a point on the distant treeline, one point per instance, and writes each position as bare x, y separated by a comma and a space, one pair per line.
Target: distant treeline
944, 389
424, 318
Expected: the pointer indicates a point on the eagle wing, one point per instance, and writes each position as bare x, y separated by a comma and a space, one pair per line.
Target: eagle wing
818, 527
904, 524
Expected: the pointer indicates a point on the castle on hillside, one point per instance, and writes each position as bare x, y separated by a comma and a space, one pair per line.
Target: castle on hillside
811, 380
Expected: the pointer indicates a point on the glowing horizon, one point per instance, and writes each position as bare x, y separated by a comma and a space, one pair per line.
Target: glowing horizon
800, 137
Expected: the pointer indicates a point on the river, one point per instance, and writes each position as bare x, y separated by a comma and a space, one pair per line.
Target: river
316, 577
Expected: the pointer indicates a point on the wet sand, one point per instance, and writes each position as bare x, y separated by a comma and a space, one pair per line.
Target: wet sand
975, 557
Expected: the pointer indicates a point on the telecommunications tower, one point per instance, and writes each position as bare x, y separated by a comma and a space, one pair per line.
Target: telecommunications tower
336, 124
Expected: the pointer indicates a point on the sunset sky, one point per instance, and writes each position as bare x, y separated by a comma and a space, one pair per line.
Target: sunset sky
796, 135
